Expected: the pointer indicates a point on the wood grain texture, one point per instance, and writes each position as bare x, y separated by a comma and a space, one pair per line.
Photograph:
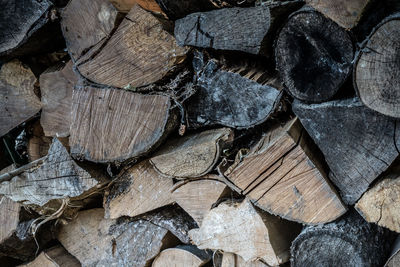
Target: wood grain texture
394, 259
377, 68
110, 125
313, 56
56, 88
233, 260
39, 144
123, 5
357, 142
54, 257
18, 101
139, 53
345, 13
87, 23
280, 175
239, 228
138, 190
193, 155
182, 256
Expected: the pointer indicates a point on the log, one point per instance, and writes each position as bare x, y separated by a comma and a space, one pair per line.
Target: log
182, 256
38, 144
315, 68
229, 99
56, 87
123, 5
345, 13
241, 229
111, 125
193, 155
140, 52
18, 101
350, 241
233, 260
86, 24
149, 5
248, 30
394, 259
54, 257
358, 143
376, 68
282, 175
138, 190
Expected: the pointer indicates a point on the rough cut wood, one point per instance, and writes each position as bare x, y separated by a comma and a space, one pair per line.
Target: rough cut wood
358, 143
38, 144
54, 257
281, 175
394, 259
229, 99
18, 101
111, 125
193, 155
350, 241
241, 229
381, 203
377, 68
233, 260
56, 87
139, 53
313, 56
182, 256
345, 13
87, 23
197, 197
149, 5
138, 190
123, 5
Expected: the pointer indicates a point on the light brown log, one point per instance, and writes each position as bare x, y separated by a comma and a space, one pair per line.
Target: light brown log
123, 5
281, 175
182, 256
111, 125
38, 144
241, 229
192, 155
18, 101
139, 53
56, 87
233, 260
54, 257
138, 190
126, 5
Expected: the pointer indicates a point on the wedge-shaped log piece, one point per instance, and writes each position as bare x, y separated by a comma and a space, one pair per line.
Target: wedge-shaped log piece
54, 257
233, 260
381, 203
350, 241
313, 56
345, 13
182, 256
138, 190
18, 101
394, 259
139, 53
87, 23
377, 68
110, 125
193, 155
281, 175
56, 87
197, 197
357, 142
241, 229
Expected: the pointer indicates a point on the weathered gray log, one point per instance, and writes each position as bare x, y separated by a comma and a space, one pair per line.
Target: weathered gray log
394, 259
357, 142
350, 241
313, 56
377, 68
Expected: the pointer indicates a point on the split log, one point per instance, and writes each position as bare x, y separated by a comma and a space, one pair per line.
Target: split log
136, 191
345, 13
249, 30
54, 257
56, 87
18, 101
111, 125
182, 256
140, 52
376, 71
123, 5
86, 24
358, 143
193, 155
282, 176
233, 260
149, 5
313, 56
394, 259
241, 229
229, 99
38, 144
350, 241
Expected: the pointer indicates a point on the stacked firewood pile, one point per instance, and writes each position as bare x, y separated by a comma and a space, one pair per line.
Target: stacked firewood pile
199, 133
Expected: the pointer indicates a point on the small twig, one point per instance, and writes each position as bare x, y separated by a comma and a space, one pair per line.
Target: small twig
9, 175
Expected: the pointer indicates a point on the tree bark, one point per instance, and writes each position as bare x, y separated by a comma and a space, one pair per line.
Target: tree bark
184, 256
54, 257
